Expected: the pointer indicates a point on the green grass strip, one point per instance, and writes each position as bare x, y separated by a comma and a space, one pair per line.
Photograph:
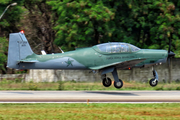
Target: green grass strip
69, 85
93, 111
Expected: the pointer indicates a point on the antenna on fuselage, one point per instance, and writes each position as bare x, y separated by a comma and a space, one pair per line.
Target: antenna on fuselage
43, 52
61, 49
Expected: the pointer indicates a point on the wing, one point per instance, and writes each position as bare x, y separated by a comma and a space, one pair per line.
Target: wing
120, 65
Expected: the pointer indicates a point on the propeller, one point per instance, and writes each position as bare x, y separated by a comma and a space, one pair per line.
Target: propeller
170, 53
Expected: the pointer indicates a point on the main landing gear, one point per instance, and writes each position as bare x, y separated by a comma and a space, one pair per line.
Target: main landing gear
118, 83
106, 81
154, 81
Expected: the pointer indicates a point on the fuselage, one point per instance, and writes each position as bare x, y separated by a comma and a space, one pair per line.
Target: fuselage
86, 58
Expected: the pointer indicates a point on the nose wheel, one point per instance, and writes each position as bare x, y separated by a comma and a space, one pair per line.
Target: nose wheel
153, 82
106, 82
118, 84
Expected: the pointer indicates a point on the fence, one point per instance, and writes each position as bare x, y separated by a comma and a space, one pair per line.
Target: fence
135, 74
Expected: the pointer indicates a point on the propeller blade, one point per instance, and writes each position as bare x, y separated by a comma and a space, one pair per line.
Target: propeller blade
170, 55
169, 60
169, 50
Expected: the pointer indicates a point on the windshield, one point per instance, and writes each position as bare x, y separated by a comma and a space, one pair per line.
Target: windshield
134, 48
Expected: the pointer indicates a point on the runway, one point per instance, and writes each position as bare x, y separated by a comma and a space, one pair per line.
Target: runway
90, 96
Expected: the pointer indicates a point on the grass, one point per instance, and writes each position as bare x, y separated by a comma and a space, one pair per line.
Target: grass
72, 85
93, 111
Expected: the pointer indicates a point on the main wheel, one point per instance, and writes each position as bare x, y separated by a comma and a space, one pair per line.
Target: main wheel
106, 82
153, 82
118, 84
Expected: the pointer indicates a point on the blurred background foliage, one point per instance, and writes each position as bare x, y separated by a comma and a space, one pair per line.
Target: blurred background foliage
49, 24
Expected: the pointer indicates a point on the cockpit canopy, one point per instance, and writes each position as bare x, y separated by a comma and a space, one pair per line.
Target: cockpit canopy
117, 47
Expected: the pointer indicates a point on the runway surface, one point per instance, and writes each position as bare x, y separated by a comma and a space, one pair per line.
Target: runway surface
91, 96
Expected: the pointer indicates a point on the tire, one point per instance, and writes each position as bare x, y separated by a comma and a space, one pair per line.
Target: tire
119, 84
106, 82
153, 83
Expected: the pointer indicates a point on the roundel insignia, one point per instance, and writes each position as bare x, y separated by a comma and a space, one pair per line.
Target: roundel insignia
69, 62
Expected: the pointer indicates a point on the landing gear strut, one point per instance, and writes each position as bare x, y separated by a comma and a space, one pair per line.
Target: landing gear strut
154, 81
117, 82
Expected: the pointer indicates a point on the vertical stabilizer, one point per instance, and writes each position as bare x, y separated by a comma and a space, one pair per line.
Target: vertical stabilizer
19, 49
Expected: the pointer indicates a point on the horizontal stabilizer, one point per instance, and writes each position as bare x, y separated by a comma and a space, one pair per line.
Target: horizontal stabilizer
28, 61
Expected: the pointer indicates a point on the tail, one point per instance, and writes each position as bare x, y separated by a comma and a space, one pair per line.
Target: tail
19, 49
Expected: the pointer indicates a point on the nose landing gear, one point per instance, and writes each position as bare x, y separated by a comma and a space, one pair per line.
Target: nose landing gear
154, 81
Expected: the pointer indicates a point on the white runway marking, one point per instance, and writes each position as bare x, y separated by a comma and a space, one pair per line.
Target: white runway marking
92, 96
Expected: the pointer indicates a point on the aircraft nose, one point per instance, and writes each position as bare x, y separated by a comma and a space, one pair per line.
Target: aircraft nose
171, 54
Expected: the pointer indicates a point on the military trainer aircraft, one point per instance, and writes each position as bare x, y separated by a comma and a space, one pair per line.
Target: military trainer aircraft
104, 58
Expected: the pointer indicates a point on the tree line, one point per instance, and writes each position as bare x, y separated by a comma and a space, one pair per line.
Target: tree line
49, 24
